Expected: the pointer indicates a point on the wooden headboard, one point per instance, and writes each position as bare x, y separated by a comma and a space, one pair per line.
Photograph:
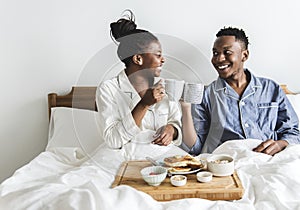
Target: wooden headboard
78, 97
286, 90
85, 98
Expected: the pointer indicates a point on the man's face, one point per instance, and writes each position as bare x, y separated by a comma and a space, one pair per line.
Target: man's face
228, 57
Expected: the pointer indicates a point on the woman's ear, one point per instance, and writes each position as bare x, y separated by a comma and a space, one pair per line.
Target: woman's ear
137, 59
245, 55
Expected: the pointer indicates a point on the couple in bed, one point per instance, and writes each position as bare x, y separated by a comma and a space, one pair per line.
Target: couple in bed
135, 109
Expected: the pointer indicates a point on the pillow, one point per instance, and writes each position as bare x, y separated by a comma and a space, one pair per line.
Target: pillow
295, 101
70, 127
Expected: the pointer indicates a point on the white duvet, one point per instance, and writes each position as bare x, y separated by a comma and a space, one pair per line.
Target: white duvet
62, 179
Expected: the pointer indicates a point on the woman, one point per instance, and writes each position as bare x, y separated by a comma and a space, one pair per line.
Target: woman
132, 108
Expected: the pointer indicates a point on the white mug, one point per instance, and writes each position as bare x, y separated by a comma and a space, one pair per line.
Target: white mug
193, 93
174, 89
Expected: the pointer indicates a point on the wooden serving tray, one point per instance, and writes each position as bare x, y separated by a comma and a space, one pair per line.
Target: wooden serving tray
220, 188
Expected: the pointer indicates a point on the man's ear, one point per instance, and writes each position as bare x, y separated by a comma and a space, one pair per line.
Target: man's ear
245, 55
137, 59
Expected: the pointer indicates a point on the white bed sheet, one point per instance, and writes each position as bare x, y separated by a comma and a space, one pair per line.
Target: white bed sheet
60, 179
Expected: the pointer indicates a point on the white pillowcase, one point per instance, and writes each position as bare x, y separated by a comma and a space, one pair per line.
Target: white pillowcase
70, 127
295, 101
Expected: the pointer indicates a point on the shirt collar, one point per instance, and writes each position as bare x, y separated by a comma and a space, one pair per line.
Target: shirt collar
126, 86
253, 85
254, 81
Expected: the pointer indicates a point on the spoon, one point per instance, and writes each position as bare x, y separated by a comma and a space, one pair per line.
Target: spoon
155, 163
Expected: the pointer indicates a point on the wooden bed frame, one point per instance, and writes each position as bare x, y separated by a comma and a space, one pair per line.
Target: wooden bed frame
85, 98
78, 97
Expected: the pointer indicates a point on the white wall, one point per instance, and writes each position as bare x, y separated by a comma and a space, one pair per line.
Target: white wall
48, 46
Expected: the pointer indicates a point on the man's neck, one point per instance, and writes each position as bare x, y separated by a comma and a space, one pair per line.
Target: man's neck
239, 84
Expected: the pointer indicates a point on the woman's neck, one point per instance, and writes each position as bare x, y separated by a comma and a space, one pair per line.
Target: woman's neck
140, 81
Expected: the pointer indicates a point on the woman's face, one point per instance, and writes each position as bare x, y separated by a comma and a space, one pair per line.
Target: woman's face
228, 57
153, 59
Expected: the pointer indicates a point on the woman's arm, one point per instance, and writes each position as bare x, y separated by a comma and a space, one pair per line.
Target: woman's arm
151, 96
116, 122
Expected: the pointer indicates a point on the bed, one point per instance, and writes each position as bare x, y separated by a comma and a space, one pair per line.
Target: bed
76, 170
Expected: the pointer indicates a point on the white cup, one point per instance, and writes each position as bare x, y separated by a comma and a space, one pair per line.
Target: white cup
174, 88
193, 93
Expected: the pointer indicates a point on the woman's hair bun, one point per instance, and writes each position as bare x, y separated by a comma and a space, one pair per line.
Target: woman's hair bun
130, 39
124, 26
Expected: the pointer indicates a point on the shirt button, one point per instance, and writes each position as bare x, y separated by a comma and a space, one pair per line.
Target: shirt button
242, 103
246, 125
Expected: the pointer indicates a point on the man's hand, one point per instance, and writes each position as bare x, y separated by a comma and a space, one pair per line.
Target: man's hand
164, 135
271, 147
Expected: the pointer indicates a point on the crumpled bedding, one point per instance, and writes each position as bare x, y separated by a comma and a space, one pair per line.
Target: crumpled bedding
66, 178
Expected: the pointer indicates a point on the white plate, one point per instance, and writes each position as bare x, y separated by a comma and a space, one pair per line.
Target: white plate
185, 172
161, 162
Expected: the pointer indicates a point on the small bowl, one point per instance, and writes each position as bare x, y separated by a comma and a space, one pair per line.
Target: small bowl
220, 165
204, 176
178, 180
154, 175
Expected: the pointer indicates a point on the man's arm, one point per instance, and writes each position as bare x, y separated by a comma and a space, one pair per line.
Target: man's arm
271, 147
286, 128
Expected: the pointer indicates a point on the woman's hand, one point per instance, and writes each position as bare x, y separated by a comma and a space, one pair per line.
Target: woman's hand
153, 94
149, 97
271, 147
164, 135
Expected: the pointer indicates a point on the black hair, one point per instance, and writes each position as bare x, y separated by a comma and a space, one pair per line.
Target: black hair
239, 35
131, 40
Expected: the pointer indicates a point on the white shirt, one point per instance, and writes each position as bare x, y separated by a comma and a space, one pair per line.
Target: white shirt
116, 98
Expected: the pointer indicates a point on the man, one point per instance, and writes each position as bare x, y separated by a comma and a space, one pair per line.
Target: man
239, 105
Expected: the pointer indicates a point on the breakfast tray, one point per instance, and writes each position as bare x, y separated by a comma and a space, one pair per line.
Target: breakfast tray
220, 188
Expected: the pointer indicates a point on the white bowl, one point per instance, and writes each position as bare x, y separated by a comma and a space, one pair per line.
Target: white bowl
220, 165
178, 180
204, 176
154, 175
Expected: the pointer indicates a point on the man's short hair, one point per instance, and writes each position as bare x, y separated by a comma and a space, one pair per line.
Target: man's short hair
239, 35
